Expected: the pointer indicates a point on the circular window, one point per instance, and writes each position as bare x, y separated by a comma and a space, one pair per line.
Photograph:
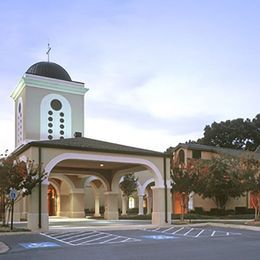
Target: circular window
50, 125
50, 112
61, 137
50, 137
62, 120
50, 118
61, 126
56, 104
62, 132
50, 131
61, 114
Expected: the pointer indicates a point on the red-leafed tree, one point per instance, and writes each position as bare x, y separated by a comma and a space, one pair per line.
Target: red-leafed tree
184, 181
251, 169
18, 175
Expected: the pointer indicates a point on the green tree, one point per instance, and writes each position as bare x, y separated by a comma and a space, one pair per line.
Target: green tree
251, 171
18, 175
184, 181
237, 134
129, 185
220, 179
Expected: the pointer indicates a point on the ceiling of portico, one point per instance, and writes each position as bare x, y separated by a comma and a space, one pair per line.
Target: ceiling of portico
83, 166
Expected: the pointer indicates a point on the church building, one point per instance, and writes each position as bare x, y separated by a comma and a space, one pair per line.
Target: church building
83, 173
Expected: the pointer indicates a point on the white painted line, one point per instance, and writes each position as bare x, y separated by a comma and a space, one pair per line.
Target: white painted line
213, 233
72, 233
74, 236
155, 229
86, 237
57, 239
177, 230
111, 239
125, 240
188, 232
86, 242
200, 233
168, 229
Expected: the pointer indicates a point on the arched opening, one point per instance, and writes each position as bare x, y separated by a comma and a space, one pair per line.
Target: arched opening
52, 200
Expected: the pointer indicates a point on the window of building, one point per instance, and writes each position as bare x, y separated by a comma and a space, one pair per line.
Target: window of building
181, 156
196, 154
131, 202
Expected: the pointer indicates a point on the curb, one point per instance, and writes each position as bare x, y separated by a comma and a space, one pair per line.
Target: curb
214, 224
3, 248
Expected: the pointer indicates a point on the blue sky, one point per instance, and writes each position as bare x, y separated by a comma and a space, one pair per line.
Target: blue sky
158, 71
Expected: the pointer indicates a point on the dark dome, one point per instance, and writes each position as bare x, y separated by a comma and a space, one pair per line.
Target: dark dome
49, 70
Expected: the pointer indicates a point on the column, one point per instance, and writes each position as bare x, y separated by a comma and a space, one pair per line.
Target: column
77, 205
141, 203
97, 213
124, 205
33, 209
158, 215
24, 208
149, 203
111, 205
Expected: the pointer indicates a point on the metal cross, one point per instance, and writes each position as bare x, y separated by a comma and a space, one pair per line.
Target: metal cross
48, 52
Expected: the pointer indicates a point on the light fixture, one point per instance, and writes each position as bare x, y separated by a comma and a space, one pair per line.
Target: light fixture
101, 164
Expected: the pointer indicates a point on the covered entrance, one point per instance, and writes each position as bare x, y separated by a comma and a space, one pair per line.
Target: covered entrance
79, 165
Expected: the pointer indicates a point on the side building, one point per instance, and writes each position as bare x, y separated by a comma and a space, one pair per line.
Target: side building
183, 153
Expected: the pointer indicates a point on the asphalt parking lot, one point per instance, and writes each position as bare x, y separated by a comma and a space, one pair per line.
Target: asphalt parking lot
147, 243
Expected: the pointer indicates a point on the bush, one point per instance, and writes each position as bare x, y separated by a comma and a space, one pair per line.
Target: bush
198, 210
244, 210
217, 212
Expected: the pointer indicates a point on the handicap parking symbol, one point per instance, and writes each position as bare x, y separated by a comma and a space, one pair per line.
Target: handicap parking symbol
39, 245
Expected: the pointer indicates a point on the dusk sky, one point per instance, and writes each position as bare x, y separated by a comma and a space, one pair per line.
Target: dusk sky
157, 71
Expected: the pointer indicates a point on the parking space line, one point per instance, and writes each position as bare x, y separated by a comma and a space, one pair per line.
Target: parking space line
178, 230
78, 239
74, 236
200, 233
86, 242
68, 243
188, 232
213, 233
168, 229
63, 236
111, 239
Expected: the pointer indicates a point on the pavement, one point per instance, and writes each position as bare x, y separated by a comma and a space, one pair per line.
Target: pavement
90, 231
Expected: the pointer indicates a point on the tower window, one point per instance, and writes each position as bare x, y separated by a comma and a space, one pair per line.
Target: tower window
50, 118
50, 137
56, 104
61, 114
61, 126
50, 125
50, 113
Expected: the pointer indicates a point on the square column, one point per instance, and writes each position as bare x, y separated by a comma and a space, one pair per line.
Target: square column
124, 205
77, 205
97, 212
141, 203
158, 215
111, 205
33, 209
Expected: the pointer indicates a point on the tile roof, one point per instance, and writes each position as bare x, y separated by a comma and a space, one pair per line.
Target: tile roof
216, 149
88, 144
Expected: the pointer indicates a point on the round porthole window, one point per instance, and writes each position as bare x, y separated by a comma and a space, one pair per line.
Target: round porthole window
56, 104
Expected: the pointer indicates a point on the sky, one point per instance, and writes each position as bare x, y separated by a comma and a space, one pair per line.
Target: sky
157, 71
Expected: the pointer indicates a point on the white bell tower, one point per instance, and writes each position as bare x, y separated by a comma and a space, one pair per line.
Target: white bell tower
48, 104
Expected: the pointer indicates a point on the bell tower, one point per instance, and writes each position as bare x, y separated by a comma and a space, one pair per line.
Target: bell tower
48, 104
